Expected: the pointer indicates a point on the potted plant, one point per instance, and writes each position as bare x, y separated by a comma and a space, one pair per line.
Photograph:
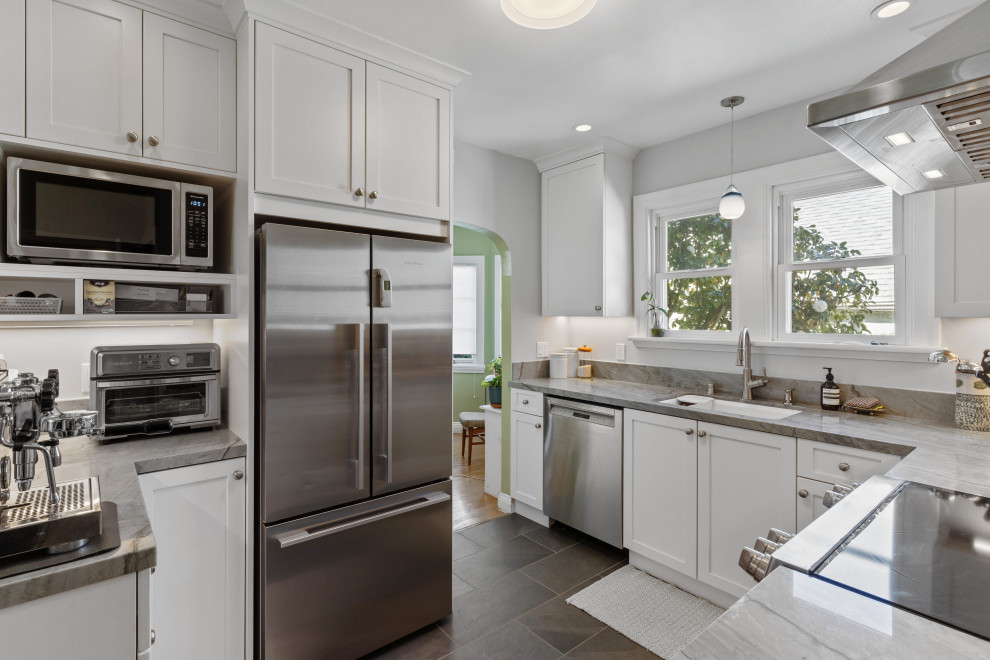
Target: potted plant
653, 319
493, 382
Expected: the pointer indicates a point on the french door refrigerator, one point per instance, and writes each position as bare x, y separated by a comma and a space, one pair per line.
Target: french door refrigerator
354, 454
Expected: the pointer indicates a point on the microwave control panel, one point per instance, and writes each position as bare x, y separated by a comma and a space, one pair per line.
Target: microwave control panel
125, 361
197, 225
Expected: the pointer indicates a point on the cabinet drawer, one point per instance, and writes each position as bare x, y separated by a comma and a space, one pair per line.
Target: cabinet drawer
836, 464
527, 402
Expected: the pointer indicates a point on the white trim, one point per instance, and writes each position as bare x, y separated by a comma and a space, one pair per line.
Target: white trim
888, 353
681, 581
497, 305
468, 368
456, 428
592, 148
478, 263
505, 503
527, 511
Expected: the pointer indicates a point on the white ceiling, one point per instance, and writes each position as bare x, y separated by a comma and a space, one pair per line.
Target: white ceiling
640, 71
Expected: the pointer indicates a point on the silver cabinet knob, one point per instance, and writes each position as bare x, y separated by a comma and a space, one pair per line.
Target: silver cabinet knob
702, 434
359, 192
373, 194
803, 493
688, 431
238, 475
154, 141
598, 308
132, 136
152, 636
539, 426
844, 467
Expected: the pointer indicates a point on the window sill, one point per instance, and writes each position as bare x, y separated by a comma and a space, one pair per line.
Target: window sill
469, 368
798, 349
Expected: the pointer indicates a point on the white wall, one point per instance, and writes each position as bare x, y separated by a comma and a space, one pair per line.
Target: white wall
501, 193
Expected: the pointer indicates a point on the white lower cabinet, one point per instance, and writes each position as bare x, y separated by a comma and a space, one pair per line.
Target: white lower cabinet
810, 503
660, 489
197, 515
527, 459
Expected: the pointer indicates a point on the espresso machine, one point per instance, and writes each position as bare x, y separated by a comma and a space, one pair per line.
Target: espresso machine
55, 517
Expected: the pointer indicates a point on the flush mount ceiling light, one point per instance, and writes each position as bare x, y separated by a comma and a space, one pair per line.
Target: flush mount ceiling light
732, 204
891, 8
582, 128
899, 139
546, 14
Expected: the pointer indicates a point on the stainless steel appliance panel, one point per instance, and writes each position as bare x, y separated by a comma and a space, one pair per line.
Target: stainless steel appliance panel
582, 468
315, 370
343, 583
412, 338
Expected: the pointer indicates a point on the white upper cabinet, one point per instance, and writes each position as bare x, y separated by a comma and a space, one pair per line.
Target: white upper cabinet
587, 233
84, 74
962, 232
408, 145
309, 119
12, 70
331, 127
189, 95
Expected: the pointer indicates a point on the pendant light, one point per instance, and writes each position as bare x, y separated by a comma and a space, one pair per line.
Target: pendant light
732, 204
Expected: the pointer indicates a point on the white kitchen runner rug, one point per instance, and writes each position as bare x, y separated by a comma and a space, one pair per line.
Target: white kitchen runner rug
652, 613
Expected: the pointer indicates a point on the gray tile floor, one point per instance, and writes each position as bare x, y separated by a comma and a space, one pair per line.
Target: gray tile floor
511, 580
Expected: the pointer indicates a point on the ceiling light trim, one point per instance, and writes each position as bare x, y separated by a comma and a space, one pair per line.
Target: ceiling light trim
890, 9
566, 13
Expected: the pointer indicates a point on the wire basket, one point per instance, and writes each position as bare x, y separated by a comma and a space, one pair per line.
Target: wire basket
15, 305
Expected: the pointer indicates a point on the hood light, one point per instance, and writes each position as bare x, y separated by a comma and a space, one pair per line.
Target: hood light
966, 124
934, 174
891, 8
898, 139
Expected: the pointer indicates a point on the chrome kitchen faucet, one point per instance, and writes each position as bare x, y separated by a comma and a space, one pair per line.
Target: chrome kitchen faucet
744, 359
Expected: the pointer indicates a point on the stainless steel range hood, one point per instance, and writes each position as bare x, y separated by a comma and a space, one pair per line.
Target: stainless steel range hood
938, 93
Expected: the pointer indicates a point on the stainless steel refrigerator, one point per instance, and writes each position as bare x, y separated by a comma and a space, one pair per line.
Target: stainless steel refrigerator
354, 448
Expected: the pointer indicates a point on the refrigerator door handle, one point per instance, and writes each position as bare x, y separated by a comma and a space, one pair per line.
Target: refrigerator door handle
319, 531
359, 467
387, 456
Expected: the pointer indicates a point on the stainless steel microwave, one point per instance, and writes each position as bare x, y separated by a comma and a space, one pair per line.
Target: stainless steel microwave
65, 214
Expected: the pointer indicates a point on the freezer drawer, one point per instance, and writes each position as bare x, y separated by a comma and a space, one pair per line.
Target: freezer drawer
344, 583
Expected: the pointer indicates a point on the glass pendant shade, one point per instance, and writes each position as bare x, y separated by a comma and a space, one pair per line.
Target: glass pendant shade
732, 205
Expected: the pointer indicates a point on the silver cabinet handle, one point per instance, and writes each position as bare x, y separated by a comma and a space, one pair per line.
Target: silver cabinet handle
359, 192
132, 136
319, 531
525, 402
702, 434
688, 431
803, 493
373, 194
238, 475
598, 308
538, 426
152, 636
154, 141
844, 467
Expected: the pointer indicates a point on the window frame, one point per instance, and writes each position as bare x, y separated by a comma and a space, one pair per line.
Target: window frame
478, 364
783, 264
659, 219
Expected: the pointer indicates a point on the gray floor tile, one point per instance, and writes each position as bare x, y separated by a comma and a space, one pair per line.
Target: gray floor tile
611, 645
460, 587
569, 568
463, 546
499, 530
492, 605
563, 626
498, 560
556, 538
429, 643
613, 569
510, 642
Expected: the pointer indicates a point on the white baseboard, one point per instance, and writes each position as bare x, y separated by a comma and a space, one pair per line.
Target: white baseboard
533, 514
505, 503
682, 581
456, 427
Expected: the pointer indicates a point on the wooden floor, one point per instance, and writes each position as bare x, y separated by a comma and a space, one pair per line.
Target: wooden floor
472, 505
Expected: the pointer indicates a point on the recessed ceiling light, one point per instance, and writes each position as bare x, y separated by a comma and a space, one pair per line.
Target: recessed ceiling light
546, 14
891, 8
582, 128
934, 174
898, 139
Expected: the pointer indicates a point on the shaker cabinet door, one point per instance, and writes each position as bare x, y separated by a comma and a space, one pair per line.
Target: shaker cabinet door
526, 478
189, 95
309, 119
12, 71
408, 145
84, 74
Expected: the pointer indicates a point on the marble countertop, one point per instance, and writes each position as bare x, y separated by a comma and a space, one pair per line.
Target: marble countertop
789, 614
118, 465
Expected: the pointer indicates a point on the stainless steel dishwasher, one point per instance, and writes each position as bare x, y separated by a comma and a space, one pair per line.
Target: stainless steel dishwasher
582, 468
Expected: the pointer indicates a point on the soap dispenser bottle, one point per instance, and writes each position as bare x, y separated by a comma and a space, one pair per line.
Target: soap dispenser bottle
830, 392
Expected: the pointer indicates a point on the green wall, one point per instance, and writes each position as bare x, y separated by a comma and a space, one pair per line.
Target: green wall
468, 392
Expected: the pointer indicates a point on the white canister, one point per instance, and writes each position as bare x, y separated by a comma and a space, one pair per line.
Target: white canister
572, 360
558, 365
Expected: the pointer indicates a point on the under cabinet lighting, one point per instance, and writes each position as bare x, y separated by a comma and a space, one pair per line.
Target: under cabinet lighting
898, 139
934, 174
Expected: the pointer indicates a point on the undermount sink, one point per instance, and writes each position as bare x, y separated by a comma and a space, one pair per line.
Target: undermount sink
733, 407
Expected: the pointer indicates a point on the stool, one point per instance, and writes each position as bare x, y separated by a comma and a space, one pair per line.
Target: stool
472, 426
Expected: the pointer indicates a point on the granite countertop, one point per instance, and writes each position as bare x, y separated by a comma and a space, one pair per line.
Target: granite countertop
118, 465
790, 614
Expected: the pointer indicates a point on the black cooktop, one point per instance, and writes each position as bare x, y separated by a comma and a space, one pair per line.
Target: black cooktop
926, 550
